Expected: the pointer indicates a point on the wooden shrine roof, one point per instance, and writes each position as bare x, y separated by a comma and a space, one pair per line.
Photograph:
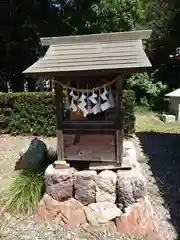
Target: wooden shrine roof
110, 51
175, 93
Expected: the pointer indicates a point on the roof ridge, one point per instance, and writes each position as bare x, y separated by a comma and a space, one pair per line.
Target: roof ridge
113, 36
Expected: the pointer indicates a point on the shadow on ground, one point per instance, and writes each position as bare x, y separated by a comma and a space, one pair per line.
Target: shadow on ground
163, 150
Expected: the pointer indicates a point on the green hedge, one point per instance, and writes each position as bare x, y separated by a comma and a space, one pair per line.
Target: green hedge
128, 111
34, 113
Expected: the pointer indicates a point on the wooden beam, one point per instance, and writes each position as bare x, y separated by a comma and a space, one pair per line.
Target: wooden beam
119, 120
59, 121
105, 166
91, 125
102, 72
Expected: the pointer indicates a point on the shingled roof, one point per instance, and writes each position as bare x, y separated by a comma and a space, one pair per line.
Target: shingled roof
110, 51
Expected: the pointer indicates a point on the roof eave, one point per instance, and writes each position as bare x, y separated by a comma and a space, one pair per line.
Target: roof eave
172, 95
115, 36
88, 72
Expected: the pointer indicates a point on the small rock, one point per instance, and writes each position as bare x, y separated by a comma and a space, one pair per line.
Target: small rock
103, 231
133, 156
166, 118
48, 207
33, 156
85, 187
138, 221
59, 183
102, 212
131, 187
106, 186
72, 213
110, 227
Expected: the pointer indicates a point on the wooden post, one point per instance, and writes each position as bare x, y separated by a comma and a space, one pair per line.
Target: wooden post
59, 121
119, 120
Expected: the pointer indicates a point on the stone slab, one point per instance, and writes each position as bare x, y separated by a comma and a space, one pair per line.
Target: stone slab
168, 118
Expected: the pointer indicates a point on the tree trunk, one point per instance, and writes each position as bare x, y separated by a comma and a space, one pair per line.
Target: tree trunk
17, 83
31, 85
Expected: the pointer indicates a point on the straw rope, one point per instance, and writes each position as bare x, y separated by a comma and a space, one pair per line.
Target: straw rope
66, 86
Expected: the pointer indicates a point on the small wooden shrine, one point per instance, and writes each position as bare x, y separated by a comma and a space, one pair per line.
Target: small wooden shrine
88, 75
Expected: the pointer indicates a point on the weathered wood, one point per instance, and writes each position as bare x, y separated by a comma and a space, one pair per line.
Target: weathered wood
119, 120
106, 166
124, 36
77, 116
90, 147
93, 72
90, 131
92, 56
84, 125
59, 121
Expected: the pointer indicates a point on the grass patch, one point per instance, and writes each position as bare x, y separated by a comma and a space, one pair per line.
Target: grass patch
141, 110
25, 192
149, 122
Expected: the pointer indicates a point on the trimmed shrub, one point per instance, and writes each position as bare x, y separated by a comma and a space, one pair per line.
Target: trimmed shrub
28, 113
128, 112
34, 113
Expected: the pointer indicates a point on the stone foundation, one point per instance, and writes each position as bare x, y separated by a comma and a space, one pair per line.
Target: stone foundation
96, 198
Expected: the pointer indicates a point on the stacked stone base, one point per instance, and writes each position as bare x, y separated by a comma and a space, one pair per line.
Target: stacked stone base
117, 199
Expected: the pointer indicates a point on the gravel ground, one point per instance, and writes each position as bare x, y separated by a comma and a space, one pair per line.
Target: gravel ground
28, 228
9, 154
161, 213
155, 169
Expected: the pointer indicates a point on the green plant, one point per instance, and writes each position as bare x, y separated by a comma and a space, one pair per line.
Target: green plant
25, 192
128, 112
34, 113
149, 92
28, 113
142, 110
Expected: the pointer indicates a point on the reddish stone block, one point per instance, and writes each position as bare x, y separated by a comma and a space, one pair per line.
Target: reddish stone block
138, 221
70, 212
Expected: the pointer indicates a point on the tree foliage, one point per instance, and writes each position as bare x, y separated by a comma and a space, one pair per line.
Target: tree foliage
164, 41
148, 91
23, 22
117, 15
